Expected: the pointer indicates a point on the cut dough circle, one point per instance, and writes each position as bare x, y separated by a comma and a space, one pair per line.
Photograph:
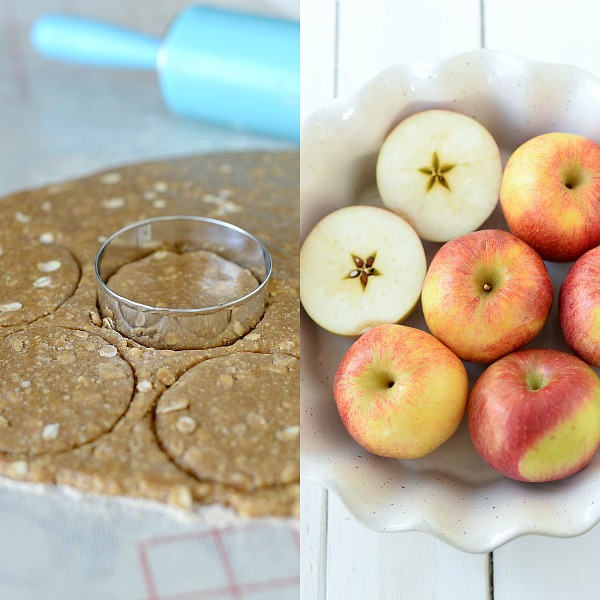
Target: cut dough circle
59, 389
35, 279
235, 420
168, 279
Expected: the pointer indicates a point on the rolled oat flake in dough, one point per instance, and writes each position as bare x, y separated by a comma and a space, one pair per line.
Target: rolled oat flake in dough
59, 388
235, 420
196, 279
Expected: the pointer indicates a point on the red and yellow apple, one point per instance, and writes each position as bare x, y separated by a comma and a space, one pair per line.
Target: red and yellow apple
534, 415
486, 294
550, 195
579, 307
400, 392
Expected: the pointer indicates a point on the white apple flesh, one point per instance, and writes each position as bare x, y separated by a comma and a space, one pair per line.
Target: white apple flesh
360, 266
400, 392
441, 171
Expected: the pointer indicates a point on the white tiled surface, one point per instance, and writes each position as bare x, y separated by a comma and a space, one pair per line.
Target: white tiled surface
344, 44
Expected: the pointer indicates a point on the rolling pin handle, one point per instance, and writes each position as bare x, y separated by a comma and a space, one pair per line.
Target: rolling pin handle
85, 41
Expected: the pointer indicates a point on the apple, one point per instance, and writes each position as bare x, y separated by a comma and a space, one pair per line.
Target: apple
534, 415
486, 294
441, 171
360, 266
400, 392
550, 195
579, 307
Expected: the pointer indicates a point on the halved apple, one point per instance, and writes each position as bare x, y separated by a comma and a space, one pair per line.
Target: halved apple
361, 266
441, 171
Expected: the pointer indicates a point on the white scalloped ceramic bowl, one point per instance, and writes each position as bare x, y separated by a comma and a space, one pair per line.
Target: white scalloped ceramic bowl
452, 493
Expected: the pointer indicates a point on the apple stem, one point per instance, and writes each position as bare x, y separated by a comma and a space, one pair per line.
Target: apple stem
487, 287
535, 381
573, 176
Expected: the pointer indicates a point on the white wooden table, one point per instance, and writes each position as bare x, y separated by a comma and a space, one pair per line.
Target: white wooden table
344, 44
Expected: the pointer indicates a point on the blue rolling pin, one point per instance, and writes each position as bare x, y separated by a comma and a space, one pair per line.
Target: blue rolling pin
233, 69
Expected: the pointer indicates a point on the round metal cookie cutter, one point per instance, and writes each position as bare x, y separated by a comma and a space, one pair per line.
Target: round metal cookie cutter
183, 328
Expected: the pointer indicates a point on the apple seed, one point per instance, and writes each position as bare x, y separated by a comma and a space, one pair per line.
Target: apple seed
364, 271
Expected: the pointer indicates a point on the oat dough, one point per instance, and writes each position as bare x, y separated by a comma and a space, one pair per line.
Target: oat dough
83, 406
235, 420
168, 279
35, 278
59, 388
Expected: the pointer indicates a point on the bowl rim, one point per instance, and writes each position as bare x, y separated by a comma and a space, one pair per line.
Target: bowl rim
319, 124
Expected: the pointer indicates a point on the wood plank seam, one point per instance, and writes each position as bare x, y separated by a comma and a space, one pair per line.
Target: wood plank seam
336, 46
491, 574
482, 41
325, 558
